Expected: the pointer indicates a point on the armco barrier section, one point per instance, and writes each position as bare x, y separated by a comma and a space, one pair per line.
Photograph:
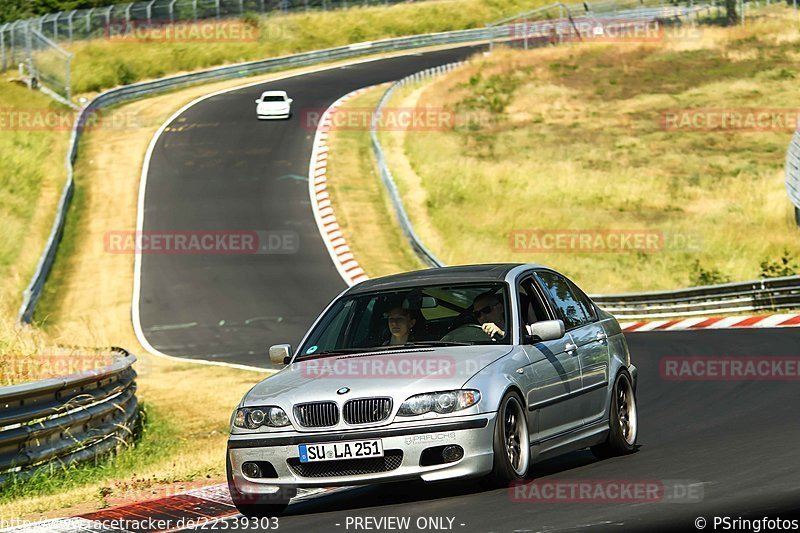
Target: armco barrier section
67, 419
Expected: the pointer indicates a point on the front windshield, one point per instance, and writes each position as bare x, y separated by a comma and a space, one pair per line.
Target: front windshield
450, 315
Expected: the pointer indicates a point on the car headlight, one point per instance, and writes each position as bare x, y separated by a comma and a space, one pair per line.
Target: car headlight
439, 402
255, 417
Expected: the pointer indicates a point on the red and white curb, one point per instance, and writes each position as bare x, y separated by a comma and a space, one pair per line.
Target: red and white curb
761, 321
191, 509
329, 229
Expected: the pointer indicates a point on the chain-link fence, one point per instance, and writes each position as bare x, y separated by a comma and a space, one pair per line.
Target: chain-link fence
67, 26
32, 45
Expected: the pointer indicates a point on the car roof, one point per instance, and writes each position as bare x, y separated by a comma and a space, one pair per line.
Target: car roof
433, 276
273, 93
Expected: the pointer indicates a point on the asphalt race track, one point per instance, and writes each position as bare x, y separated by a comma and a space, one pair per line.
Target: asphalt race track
217, 168
735, 443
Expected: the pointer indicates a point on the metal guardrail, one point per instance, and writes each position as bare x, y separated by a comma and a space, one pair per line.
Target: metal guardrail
793, 174
752, 296
68, 419
773, 294
130, 92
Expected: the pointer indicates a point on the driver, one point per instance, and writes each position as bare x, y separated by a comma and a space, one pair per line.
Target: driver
401, 322
488, 311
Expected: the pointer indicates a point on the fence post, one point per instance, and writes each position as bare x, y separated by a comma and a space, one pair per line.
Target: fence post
194, 10
29, 53
3, 48
89, 23
172, 11
69, 24
67, 83
216, 5
525, 29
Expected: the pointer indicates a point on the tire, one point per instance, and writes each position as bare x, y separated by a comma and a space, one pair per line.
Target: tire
512, 452
258, 506
623, 420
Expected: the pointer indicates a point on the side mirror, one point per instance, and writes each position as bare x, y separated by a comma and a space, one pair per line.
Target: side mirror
258, 101
289, 100
280, 354
546, 330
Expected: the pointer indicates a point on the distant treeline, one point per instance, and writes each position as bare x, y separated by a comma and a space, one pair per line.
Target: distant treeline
20, 9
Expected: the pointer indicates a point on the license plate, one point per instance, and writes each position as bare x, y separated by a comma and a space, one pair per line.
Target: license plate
334, 451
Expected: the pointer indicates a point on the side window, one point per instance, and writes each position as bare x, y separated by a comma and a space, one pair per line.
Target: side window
564, 299
585, 302
531, 307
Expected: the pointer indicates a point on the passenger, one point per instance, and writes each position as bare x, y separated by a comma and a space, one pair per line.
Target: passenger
401, 322
488, 311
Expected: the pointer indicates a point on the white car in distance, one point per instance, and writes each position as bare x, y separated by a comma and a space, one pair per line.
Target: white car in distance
274, 104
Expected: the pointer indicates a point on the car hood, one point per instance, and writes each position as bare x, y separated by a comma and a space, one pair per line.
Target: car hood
399, 374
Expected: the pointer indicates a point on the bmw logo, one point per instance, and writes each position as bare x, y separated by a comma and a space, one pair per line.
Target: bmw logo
343, 390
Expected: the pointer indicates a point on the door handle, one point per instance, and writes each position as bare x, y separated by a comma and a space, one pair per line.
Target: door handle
601, 337
569, 347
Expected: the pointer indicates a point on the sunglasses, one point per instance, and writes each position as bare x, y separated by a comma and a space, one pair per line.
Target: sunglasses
477, 313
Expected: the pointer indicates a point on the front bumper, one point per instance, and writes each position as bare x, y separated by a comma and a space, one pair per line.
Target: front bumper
474, 434
273, 114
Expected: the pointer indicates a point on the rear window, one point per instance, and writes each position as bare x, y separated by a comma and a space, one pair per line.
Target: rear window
272, 99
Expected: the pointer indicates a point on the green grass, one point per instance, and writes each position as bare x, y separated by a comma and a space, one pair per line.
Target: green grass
360, 200
103, 63
571, 139
32, 174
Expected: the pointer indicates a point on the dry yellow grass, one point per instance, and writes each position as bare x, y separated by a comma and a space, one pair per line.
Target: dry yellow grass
363, 209
580, 147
